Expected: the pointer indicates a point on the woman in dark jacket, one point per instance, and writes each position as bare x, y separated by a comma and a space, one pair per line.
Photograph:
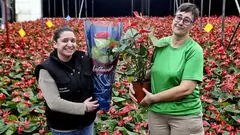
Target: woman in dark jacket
65, 78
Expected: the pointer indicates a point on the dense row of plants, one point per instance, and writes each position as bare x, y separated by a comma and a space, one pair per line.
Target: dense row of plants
22, 103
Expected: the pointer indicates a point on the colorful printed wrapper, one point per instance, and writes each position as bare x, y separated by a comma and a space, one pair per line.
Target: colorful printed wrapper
101, 37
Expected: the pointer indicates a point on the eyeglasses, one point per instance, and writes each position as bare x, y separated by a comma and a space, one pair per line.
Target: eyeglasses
186, 21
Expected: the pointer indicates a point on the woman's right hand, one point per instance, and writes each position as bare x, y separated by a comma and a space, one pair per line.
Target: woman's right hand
91, 105
132, 92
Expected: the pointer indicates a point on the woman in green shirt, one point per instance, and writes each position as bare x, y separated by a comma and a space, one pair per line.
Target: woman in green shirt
174, 105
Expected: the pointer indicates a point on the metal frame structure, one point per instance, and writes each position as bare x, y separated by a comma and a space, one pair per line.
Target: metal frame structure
147, 4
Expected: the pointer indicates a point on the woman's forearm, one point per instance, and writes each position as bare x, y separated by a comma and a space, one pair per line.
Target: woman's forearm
53, 99
172, 94
185, 88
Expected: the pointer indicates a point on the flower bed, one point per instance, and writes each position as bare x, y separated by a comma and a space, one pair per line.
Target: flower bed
22, 104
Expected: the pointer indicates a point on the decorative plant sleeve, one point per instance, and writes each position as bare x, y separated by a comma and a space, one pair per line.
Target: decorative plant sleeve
102, 37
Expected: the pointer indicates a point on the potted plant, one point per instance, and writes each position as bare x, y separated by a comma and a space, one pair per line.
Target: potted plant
136, 47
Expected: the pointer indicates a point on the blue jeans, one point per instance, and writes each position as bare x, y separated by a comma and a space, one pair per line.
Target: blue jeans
85, 131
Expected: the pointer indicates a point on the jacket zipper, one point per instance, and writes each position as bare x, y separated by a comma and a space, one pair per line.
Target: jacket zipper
76, 76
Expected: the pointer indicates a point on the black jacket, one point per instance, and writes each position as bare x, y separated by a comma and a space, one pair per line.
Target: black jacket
74, 84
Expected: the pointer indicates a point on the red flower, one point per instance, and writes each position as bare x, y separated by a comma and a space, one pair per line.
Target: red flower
211, 107
129, 24
208, 70
26, 94
134, 24
238, 120
103, 35
5, 113
138, 16
42, 131
17, 99
16, 92
26, 123
117, 84
112, 110
117, 132
20, 129
137, 128
40, 95
139, 40
2, 96
100, 112
104, 133
125, 82
205, 123
112, 45
237, 62
127, 119
214, 125
229, 127
144, 31
144, 124
120, 123
27, 103
124, 68
121, 91
232, 133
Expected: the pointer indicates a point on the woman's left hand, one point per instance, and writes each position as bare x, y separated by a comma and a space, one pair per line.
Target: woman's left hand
148, 99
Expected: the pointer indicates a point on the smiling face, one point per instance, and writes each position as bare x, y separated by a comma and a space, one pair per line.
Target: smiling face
182, 23
65, 45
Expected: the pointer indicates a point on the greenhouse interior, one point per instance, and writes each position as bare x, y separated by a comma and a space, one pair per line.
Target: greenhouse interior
120, 67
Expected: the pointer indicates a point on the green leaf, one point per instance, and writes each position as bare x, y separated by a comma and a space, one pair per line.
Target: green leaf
226, 133
101, 43
11, 130
130, 125
156, 42
115, 93
130, 72
110, 124
131, 52
10, 104
24, 113
236, 118
32, 97
49, 133
119, 48
130, 33
96, 53
118, 99
4, 91
21, 107
238, 104
125, 131
17, 65
18, 76
12, 117
38, 110
3, 127
231, 108
15, 76
31, 127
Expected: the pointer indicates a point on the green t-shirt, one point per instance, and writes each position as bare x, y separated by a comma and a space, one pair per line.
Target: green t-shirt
170, 67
